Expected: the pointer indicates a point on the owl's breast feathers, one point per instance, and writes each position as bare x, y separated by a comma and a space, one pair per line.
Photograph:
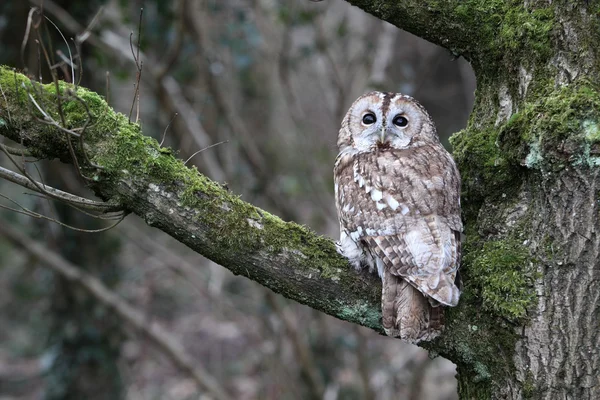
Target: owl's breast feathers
403, 207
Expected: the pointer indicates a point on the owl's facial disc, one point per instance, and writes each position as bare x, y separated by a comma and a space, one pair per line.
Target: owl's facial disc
380, 120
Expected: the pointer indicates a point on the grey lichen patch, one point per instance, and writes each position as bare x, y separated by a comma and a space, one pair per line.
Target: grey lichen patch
363, 313
534, 157
556, 129
591, 130
585, 158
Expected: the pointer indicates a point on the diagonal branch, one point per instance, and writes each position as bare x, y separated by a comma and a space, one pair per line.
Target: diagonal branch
468, 28
149, 181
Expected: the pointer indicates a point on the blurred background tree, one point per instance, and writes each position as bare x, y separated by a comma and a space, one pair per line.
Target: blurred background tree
273, 80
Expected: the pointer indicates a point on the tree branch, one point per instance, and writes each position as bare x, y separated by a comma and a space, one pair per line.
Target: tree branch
57, 194
467, 28
149, 181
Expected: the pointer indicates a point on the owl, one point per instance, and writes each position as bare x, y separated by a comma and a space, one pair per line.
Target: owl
398, 200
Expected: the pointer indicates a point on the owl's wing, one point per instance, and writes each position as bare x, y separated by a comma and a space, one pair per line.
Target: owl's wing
419, 263
404, 205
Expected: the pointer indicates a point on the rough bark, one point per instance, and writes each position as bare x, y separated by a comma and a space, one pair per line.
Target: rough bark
527, 324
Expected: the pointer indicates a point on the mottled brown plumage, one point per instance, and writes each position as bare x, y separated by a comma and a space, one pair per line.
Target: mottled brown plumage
397, 194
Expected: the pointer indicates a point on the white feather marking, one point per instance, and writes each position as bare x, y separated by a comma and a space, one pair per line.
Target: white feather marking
405, 210
354, 236
417, 247
380, 206
367, 188
358, 177
370, 232
433, 281
349, 249
346, 208
376, 195
380, 266
447, 251
392, 202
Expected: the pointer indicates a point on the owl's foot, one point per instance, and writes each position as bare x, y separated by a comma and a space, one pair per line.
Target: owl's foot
350, 250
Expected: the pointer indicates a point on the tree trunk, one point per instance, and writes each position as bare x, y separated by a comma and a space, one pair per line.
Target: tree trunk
529, 160
527, 324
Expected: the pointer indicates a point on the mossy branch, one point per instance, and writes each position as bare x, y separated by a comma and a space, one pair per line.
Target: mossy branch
489, 34
462, 26
151, 182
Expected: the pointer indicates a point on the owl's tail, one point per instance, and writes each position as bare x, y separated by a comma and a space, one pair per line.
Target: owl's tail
407, 314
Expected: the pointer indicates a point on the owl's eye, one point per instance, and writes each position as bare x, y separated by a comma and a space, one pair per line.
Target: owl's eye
400, 121
369, 119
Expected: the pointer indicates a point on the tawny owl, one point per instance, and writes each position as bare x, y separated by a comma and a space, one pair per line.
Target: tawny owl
398, 199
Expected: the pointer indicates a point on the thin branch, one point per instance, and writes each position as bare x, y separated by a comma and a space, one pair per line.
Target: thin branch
157, 335
201, 150
33, 214
14, 151
68, 48
58, 194
162, 140
30, 183
139, 65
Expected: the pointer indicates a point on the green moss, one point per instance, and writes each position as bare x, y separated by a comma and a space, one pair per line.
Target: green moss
527, 31
491, 34
529, 389
485, 169
557, 128
500, 272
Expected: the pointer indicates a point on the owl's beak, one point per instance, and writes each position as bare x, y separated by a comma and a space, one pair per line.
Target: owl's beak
383, 131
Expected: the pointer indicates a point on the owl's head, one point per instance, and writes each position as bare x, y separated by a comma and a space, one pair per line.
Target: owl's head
379, 120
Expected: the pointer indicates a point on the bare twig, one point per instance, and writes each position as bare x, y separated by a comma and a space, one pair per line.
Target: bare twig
33, 214
68, 48
162, 140
14, 151
139, 65
57, 194
157, 335
206, 148
32, 12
